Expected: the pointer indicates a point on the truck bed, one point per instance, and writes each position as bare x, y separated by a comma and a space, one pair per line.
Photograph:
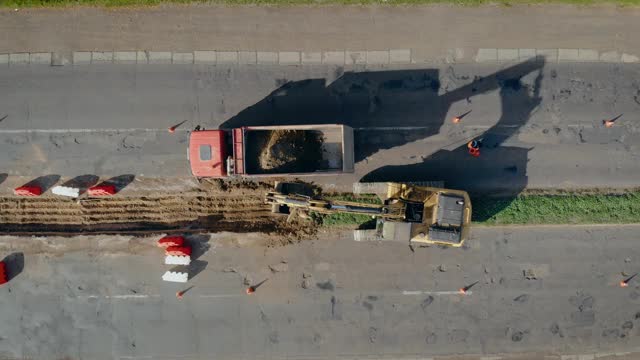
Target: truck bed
297, 149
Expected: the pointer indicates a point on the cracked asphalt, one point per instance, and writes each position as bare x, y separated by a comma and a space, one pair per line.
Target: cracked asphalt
542, 121
103, 298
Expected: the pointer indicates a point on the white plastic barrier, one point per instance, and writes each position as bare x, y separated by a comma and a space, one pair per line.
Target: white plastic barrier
177, 260
175, 276
66, 191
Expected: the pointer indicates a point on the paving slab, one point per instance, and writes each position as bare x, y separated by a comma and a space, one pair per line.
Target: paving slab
61, 58
333, 57
289, 57
508, 55
182, 58
267, 58
378, 57
400, 56
628, 58
18, 59
98, 57
142, 57
355, 57
568, 55
205, 57
4, 59
525, 54
159, 57
247, 57
125, 57
487, 55
81, 57
40, 58
549, 55
226, 57
588, 55
610, 56
311, 57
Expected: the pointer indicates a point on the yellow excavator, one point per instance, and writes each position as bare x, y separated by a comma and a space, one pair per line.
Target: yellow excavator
408, 212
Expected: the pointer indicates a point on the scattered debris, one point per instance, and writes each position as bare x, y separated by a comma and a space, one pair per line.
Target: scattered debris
280, 267
327, 285
529, 274
442, 268
627, 260
229, 270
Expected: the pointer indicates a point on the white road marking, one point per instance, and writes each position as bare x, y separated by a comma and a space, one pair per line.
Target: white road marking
122, 297
417, 292
220, 296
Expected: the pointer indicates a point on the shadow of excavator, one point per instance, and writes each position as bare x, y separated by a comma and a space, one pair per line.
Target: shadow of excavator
400, 99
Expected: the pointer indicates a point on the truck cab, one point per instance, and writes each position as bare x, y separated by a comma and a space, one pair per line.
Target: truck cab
207, 153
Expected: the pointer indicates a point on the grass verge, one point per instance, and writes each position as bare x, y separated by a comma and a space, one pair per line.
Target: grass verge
118, 3
531, 209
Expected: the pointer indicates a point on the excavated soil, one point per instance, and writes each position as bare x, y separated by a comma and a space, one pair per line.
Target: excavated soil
290, 151
220, 207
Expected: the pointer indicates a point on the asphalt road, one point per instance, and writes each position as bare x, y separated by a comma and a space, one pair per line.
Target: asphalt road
102, 298
541, 122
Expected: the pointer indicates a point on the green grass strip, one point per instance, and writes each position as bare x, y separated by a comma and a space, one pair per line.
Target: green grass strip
558, 209
119, 3
527, 209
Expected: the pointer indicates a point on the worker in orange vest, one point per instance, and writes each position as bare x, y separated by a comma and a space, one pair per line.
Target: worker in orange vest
474, 147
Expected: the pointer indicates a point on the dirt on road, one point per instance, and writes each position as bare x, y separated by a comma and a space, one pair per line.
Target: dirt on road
218, 206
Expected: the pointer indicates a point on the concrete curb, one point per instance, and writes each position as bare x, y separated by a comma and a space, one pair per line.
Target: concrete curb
334, 57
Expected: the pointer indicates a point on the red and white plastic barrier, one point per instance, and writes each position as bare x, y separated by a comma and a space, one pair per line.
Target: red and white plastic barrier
169, 241
28, 190
102, 190
178, 250
175, 276
177, 260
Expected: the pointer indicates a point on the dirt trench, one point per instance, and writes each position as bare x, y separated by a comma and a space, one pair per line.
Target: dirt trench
234, 210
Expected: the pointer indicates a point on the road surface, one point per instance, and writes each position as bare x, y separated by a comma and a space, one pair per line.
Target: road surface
102, 298
541, 122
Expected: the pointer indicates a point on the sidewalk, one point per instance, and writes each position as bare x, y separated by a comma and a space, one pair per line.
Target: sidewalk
432, 33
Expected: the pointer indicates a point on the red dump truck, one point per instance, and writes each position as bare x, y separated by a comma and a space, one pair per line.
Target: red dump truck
297, 150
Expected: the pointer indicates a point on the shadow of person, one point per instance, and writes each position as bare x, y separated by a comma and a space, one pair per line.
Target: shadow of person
14, 265
385, 108
82, 182
45, 182
3, 177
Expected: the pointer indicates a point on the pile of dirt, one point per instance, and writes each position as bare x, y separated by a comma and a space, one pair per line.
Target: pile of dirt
291, 151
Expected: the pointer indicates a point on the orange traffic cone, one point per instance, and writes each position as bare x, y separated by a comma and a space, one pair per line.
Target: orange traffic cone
609, 123
181, 293
174, 127
624, 283
464, 290
251, 290
456, 119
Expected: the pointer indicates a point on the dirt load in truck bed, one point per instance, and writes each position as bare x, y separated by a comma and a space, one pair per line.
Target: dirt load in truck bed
285, 151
